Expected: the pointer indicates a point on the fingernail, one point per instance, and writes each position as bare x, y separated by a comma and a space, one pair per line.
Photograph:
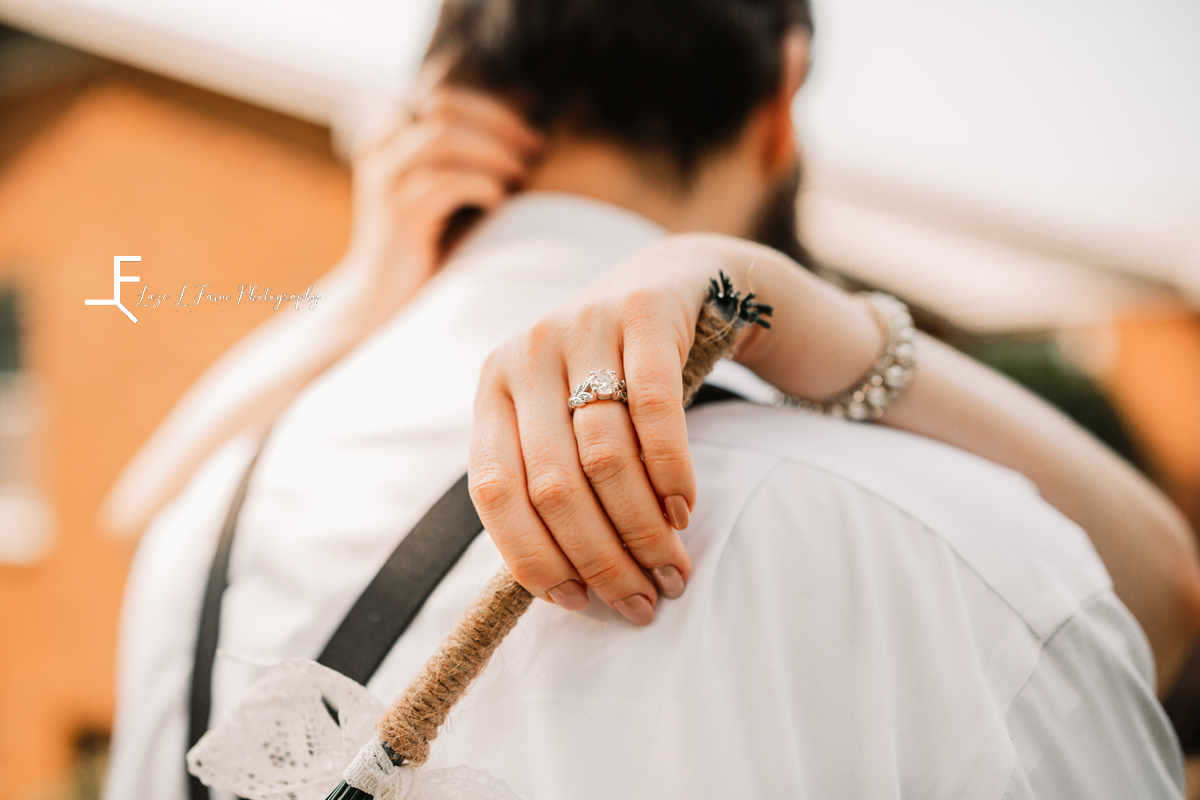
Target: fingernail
669, 581
570, 595
677, 511
636, 608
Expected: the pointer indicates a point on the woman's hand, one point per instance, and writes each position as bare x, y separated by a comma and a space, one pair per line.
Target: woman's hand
596, 498
456, 149
565, 497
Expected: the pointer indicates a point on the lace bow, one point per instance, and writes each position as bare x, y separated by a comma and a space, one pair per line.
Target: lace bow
300, 728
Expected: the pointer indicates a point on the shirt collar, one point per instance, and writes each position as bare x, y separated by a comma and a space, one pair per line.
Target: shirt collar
608, 232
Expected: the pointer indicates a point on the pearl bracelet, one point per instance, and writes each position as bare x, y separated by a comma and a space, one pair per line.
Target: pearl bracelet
888, 376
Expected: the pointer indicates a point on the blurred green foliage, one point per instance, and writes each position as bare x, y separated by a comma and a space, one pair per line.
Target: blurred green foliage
10, 331
1040, 366
86, 780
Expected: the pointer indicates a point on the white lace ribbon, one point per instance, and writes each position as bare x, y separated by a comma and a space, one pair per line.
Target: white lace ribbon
300, 728
374, 773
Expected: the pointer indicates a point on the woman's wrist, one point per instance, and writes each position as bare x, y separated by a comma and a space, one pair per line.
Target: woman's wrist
370, 288
876, 390
821, 340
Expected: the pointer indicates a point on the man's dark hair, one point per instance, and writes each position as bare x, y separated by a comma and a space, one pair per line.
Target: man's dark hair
675, 77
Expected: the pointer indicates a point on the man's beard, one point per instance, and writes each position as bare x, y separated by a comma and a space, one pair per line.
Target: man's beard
776, 224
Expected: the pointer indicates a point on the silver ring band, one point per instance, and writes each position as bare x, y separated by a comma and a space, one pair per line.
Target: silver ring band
601, 384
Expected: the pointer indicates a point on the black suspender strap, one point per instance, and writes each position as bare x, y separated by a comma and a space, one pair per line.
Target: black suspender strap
382, 612
200, 700
711, 393
398, 591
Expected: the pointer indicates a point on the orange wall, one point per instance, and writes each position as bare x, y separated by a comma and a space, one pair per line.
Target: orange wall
205, 190
1155, 380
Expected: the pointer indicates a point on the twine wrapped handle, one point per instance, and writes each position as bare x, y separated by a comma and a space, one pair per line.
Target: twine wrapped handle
412, 722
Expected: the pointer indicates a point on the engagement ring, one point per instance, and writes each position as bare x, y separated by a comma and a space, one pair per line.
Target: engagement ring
601, 384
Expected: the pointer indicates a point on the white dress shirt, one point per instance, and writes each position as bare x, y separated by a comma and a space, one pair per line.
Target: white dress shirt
870, 614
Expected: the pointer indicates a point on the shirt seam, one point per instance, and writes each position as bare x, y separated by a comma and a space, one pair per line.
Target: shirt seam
980, 755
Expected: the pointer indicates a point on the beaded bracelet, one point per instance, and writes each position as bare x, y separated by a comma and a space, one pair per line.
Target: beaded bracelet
888, 376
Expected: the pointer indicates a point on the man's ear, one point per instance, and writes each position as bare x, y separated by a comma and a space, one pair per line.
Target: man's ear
780, 142
795, 61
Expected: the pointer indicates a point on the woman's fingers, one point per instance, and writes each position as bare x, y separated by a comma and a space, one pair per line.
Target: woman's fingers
610, 456
565, 502
466, 107
456, 147
653, 357
537, 506
610, 485
497, 482
608, 453
437, 193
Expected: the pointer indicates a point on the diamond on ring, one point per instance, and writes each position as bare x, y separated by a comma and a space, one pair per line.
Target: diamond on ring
601, 384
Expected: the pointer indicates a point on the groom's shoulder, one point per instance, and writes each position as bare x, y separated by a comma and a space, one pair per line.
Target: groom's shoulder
853, 475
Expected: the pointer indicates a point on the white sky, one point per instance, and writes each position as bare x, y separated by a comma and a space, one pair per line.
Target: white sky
1086, 111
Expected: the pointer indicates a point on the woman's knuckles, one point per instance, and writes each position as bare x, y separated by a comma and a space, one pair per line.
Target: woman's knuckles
492, 486
537, 568
553, 494
646, 539
640, 306
607, 572
604, 461
652, 403
540, 341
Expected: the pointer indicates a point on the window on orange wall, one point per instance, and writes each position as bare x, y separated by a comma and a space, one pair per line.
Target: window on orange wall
27, 525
